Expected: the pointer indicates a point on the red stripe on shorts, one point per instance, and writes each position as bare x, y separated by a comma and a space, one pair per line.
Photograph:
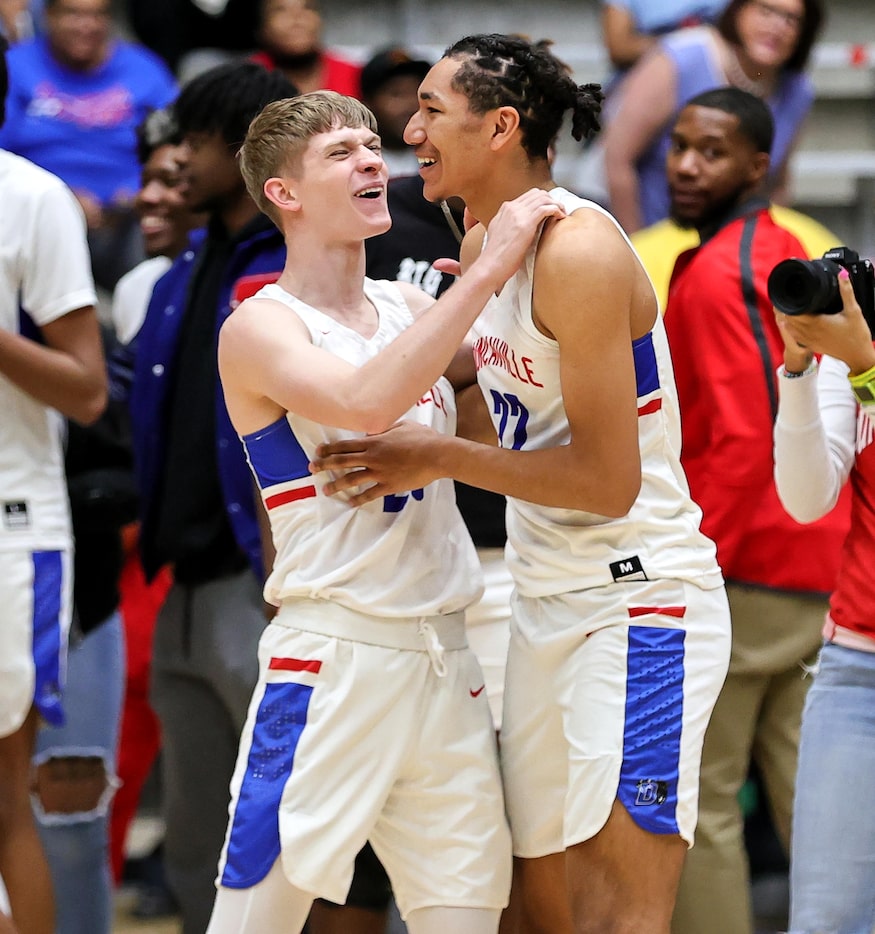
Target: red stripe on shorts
295, 664
653, 406
678, 611
289, 496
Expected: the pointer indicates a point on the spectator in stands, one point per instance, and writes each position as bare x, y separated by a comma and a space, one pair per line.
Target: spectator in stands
823, 438
165, 222
726, 347
197, 506
761, 46
75, 764
164, 216
195, 35
632, 27
290, 39
76, 97
390, 88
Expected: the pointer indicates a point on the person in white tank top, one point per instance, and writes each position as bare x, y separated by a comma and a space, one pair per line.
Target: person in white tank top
620, 628
367, 651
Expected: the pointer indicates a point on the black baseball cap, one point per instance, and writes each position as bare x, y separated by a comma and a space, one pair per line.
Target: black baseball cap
388, 63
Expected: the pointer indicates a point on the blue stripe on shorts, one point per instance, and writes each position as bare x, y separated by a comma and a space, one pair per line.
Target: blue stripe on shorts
254, 841
652, 740
48, 583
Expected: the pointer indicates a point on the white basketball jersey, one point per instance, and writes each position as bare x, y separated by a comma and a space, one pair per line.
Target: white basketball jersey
553, 550
400, 556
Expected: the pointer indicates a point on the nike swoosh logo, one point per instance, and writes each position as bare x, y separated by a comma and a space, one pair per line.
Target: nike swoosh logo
478, 692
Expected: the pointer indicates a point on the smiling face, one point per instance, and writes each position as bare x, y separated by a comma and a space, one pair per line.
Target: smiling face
160, 203
769, 30
341, 179
711, 165
450, 140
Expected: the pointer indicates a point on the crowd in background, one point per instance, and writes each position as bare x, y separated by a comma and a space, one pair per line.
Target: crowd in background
126, 112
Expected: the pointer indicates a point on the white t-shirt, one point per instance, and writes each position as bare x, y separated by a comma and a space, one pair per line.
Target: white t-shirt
45, 271
130, 300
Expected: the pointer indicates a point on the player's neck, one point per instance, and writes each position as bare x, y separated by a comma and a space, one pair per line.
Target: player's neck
485, 203
328, 278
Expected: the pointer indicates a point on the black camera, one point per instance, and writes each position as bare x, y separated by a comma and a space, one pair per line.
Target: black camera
810, 287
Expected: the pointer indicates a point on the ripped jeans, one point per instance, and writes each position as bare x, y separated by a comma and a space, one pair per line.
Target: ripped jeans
80, 757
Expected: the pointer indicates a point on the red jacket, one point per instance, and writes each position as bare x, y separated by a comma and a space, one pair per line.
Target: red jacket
338, 74
726, 347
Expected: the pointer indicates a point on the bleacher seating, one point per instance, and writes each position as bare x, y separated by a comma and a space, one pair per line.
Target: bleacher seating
833, 173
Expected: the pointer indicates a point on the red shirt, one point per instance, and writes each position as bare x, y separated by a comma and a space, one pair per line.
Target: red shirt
726, 347
338, 74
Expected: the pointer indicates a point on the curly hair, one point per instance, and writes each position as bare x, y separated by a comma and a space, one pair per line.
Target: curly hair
499, 70
225, 99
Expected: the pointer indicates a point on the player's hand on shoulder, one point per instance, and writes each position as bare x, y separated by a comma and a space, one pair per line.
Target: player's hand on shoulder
513, 230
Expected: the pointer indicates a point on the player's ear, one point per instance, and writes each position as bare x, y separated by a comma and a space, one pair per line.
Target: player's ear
280, 191
505, 124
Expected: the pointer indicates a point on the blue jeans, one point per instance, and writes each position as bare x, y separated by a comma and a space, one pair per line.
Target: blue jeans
832, 876
77, 845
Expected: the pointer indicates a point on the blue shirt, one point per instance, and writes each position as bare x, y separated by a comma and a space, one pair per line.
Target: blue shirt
653, 17
81, 125
254, 261
697, 69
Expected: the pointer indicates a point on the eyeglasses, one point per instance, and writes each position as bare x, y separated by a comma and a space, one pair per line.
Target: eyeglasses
793, 20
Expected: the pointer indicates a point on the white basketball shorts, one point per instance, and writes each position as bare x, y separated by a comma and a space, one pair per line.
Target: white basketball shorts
384, 737
608, 695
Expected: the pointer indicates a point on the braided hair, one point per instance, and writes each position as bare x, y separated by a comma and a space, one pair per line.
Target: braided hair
499, 70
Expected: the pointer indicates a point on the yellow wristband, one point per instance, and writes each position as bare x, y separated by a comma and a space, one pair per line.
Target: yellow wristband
863, 386
861, 379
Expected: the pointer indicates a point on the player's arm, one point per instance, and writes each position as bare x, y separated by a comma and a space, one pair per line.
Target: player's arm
68, 372
473, 420
461, 371
583, 276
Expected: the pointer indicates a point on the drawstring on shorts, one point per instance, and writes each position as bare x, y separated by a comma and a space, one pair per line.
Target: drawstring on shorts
434, 648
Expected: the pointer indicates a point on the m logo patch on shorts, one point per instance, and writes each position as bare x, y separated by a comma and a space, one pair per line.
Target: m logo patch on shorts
628, 569
651, 791
16, 516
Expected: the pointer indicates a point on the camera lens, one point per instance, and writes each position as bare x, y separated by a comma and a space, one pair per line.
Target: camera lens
798, 287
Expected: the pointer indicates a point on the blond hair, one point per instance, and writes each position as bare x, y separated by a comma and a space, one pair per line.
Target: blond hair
277, 137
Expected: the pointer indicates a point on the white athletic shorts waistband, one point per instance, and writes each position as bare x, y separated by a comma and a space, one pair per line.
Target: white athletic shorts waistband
414, 634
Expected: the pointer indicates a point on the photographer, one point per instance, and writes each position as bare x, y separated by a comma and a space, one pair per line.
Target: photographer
726, 348
823, 437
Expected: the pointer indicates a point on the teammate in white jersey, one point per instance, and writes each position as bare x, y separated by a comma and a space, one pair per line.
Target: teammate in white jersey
369, 720
620, 628
51, 362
